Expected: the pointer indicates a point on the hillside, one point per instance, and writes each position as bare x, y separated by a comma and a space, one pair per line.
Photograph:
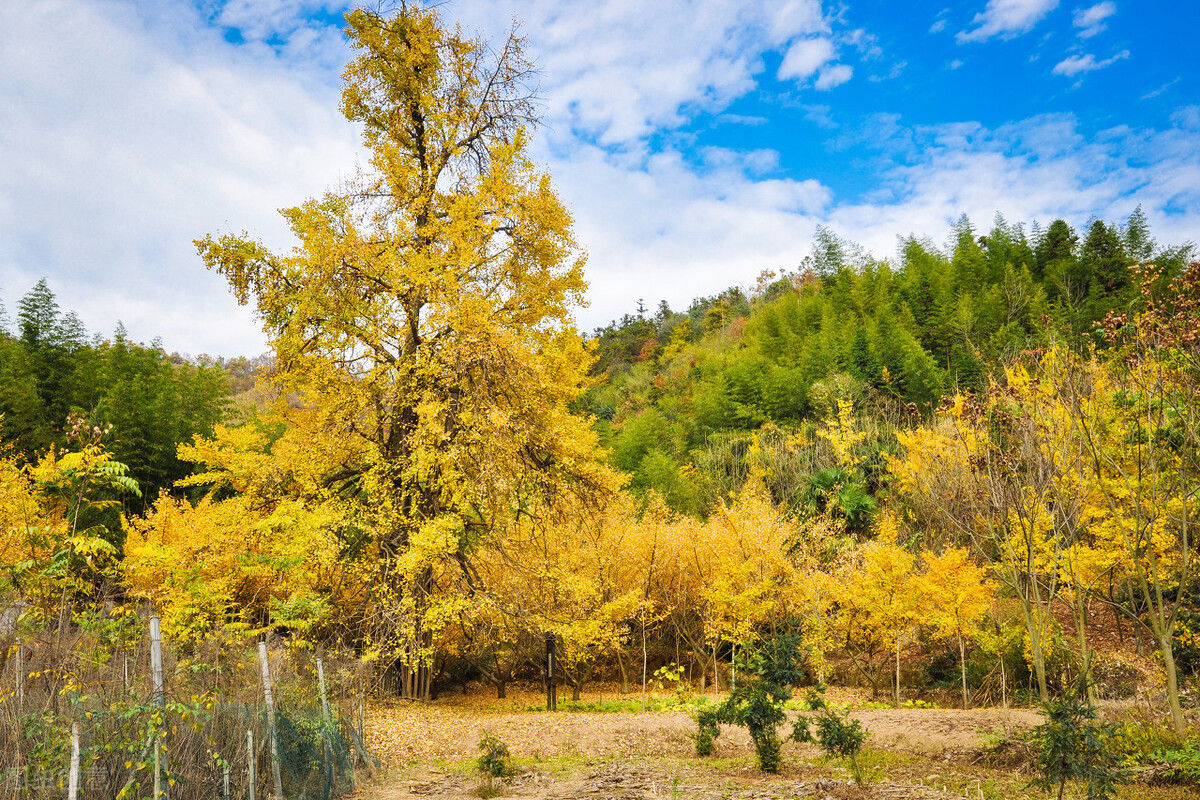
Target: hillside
679, 393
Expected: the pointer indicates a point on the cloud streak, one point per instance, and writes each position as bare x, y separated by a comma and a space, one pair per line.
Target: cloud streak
1006, 18
1094, 19
1079, 64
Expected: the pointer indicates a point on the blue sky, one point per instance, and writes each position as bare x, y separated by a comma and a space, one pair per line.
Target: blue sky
697, 142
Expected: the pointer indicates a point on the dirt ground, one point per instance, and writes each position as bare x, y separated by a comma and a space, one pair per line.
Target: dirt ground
428, 750
450, 732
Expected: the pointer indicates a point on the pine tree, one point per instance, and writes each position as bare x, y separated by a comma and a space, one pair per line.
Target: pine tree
38, 316
1135, 236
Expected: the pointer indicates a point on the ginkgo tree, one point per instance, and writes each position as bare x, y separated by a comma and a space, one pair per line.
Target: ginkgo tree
1137, 417
423, 317
876, 604
991, 485
956, 596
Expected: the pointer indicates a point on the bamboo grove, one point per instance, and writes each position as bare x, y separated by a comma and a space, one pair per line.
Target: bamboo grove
944, 468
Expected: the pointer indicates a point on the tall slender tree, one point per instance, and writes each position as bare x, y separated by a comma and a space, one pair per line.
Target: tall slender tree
423, 316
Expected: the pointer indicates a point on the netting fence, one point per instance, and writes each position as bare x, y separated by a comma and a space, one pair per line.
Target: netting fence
100, 708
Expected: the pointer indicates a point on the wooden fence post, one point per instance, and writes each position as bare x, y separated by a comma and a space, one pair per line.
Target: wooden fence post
551, 673
270, 700
321, 686
362, 708
157, 768
73, 779
159, 695
251, 767
20, 676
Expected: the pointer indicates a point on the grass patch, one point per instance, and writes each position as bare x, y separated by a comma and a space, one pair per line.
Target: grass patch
555, 766
806, 704
629, 706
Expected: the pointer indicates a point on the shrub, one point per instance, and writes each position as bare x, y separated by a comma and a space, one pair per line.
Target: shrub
1152, 748
839, 736
708, 721
1180, 765
814, 699
1071, 746
770, 668
768, 749
494, 757
999, 749
493, 762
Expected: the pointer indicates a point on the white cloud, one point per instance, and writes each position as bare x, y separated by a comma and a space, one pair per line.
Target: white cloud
1093, 19
1035, 169
819, 115
833, 75
1187, 118
292, 28
804, 58
796, 17
606, 84
119, 151
658, 229
741, 119
1006, 18
1075, 65
138, 129
1160, 90
938, 25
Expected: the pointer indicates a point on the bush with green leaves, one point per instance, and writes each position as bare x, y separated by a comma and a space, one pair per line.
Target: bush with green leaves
1148, 746
770, 669
1072, 746
838, 735
1181, 764
494, 762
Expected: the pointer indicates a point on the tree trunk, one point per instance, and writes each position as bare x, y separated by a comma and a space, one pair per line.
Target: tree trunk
1168, 655
1112, 605
645, 665
1033, 628
624, 683
1003, 684
716, 681
501, 690
1085, 654
897, 672
1137, 629
962, 661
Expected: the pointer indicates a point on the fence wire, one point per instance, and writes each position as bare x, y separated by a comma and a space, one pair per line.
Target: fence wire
96, 673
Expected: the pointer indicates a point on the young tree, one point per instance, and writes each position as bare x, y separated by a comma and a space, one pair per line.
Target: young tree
957, 597
771, 668
989, 485
875, 592
423, 316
